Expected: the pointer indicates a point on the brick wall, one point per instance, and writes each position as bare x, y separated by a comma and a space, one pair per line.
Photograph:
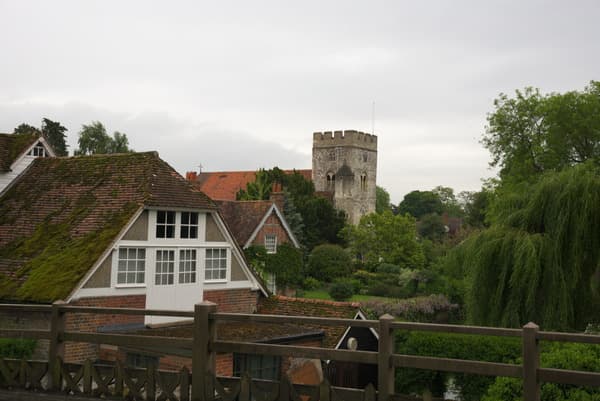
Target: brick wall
272, 226
233, 301
89, 322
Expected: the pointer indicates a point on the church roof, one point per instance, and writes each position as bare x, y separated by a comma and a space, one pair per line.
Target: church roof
224, 185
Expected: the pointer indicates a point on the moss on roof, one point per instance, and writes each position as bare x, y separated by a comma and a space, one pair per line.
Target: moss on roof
12, 145
63, 213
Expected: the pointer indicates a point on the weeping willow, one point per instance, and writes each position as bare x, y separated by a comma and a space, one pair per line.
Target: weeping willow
540, 259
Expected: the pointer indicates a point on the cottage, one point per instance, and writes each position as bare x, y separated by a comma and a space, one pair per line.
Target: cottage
118, 230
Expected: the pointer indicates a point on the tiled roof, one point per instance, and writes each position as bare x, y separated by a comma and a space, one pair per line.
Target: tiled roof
280, 305
225, 185
62, 213
12, 146
240, 331
242, 217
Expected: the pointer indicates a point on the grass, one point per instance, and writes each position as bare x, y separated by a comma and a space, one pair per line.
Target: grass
322, 294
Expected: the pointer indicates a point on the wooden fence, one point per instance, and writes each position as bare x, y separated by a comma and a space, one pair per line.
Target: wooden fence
202, 383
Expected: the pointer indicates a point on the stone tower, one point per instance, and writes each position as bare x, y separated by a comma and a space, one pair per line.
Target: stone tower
345, 164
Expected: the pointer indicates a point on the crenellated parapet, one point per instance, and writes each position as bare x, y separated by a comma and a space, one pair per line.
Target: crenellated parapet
344, 138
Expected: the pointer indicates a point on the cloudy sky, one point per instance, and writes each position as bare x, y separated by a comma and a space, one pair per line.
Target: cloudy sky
242, 85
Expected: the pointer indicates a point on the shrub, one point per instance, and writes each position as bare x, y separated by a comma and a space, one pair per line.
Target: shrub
341, 290
328, 262
459, 346
311, 283
16, 348
419, 309
559, 356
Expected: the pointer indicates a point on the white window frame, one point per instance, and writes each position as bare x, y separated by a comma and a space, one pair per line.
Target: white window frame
136, 271
183, 273
188, 225
166, 224
38, 150
164, 263
270, 249
227, 264
153, 225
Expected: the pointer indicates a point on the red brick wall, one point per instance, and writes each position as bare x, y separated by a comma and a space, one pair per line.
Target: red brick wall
224, 365
233, 301
89, 322
272, 226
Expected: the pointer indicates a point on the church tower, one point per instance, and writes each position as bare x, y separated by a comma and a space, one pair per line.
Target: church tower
344, 163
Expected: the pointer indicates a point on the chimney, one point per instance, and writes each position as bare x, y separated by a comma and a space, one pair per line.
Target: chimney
277, 196
191, 176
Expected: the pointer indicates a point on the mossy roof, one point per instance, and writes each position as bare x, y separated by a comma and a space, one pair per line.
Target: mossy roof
63, 213
12, 146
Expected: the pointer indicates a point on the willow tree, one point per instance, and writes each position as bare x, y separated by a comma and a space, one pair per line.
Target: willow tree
540, 259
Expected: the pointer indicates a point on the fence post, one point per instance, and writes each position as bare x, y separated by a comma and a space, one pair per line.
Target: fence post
385, 371
531, 362
56, 348
203, 357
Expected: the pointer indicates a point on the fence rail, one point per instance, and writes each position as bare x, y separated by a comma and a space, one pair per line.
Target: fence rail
204, 344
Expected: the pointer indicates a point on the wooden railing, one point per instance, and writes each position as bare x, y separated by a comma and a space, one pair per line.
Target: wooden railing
204, 345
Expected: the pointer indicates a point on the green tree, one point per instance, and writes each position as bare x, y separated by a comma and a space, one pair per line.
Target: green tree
420, 203
385, 238
314, 220
93, 139
26, 129
539, 259
432, 227
328, 262
450, 203
382, 200
475, 206
54, 133
259, 189
534, 133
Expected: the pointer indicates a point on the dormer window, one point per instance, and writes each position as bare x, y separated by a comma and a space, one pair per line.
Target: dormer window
165, 224
38, 151
176, 225
189, 225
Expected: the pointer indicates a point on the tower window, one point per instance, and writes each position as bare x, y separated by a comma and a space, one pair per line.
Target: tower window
330, 181
331, 155
365, 157
363, 182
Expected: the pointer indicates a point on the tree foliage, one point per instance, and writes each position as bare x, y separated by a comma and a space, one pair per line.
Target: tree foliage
52, 131
557, 356
534, 133
26, 129
328, 262
540, 259
382, 200
420, 203
386, 238
93, 139
313, 219
56, 136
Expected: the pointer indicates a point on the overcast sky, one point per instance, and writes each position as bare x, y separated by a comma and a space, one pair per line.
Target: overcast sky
242, 85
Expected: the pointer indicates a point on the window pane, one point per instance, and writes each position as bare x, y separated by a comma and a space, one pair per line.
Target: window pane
193, 232
170, 232
160, 217
194, 218
170, 217
184, 232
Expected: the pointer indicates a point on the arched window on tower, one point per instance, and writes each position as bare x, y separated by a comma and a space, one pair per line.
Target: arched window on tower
363, 182
330, 181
